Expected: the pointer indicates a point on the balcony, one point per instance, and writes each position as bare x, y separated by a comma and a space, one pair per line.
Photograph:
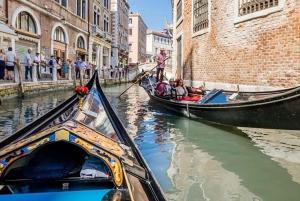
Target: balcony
97, 31
107, 36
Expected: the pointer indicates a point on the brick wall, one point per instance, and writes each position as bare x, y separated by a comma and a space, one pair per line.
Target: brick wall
264, 51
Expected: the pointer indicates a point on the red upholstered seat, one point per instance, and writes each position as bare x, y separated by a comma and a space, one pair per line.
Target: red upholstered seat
160, 88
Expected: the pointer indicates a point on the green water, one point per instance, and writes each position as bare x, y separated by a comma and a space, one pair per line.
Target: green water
192, 161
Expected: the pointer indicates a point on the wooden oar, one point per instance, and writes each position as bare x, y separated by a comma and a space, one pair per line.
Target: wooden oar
140, 78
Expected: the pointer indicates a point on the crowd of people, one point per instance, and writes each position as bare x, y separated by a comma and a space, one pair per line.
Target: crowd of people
63, 67
115, 73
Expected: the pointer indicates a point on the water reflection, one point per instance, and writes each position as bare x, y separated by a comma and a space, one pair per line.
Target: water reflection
16, 113
191, 160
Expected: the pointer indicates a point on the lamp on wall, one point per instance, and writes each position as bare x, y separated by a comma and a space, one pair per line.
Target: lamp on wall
63, 20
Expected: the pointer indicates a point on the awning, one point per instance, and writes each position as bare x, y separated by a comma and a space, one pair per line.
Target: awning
7, 32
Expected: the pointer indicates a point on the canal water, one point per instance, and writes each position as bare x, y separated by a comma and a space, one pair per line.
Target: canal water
192, 161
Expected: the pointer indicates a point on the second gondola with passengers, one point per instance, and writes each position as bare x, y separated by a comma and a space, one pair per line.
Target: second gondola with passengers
278, 109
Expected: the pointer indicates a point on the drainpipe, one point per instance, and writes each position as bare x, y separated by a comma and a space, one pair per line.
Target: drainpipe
6, 11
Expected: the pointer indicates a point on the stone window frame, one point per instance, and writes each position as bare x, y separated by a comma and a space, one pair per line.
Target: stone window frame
257, 14
61, 2
179, 20
81, 8
59, 35
23, 18
203, 31
80, 42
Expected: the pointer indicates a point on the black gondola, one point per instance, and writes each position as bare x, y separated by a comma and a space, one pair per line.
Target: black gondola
278, 109
76, 153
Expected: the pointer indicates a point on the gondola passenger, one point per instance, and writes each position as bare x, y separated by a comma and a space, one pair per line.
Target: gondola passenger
170, 90
181, 90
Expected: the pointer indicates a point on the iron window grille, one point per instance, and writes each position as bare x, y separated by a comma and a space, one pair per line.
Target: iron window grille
200, 14
251, 6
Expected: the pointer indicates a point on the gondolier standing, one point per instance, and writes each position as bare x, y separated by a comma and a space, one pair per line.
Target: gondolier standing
160, 59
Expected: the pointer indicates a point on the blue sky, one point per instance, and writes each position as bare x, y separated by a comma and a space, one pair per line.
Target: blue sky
153, 12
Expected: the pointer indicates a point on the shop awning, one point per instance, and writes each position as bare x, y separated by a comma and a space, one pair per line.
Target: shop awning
7, 32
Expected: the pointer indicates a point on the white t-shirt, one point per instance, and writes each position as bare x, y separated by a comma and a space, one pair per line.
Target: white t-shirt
35, 58
10, 56
26, 57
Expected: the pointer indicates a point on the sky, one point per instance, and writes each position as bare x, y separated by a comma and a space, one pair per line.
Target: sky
153, 12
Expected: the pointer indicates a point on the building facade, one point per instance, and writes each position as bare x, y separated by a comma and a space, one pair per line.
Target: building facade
155, 41
253, 43
137, 38
120, 49
63, 28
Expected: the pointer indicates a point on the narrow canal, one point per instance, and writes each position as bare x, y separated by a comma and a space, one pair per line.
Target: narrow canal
192, 161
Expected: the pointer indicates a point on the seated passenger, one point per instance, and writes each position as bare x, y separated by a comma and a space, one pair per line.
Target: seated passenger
169, 90
181, 90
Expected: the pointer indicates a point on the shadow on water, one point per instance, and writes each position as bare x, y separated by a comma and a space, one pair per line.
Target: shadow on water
238, 154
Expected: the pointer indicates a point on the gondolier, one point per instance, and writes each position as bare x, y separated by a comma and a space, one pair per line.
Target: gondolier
160, 59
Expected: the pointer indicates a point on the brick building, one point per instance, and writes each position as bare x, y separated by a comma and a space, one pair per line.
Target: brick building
64, 28
237, 42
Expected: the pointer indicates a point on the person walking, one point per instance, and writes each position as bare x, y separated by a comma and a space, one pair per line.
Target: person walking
28, 64
78, 66
52, 62
2, 64
160, 59
59, 65
88, 70
36, 60
10, 65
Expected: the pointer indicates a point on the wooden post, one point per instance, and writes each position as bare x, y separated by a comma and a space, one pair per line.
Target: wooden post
20, 79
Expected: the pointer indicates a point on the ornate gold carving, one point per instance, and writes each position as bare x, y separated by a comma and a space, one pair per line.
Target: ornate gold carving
116, 171
39, 143
62, 135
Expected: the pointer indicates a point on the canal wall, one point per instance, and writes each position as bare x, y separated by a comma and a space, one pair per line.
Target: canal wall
12, 90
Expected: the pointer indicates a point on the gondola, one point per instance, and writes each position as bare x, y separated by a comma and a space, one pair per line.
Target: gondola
278, 109
78, 151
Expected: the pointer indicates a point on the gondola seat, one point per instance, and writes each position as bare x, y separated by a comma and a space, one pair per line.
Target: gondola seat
54, 161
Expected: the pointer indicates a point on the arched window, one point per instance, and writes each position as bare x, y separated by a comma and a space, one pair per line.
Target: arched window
80, 42
25, 22
59, 35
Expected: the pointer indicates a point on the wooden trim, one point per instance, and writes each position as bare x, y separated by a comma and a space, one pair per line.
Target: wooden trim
27, 33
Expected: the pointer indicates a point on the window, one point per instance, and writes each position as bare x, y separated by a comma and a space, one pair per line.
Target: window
252, 6
97, 14
105, 23
62, 2
80, 42
130, 47
179, 10
130, 32
130, 20
59, 35
105, 3
25, 22
81, 8
200, 15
